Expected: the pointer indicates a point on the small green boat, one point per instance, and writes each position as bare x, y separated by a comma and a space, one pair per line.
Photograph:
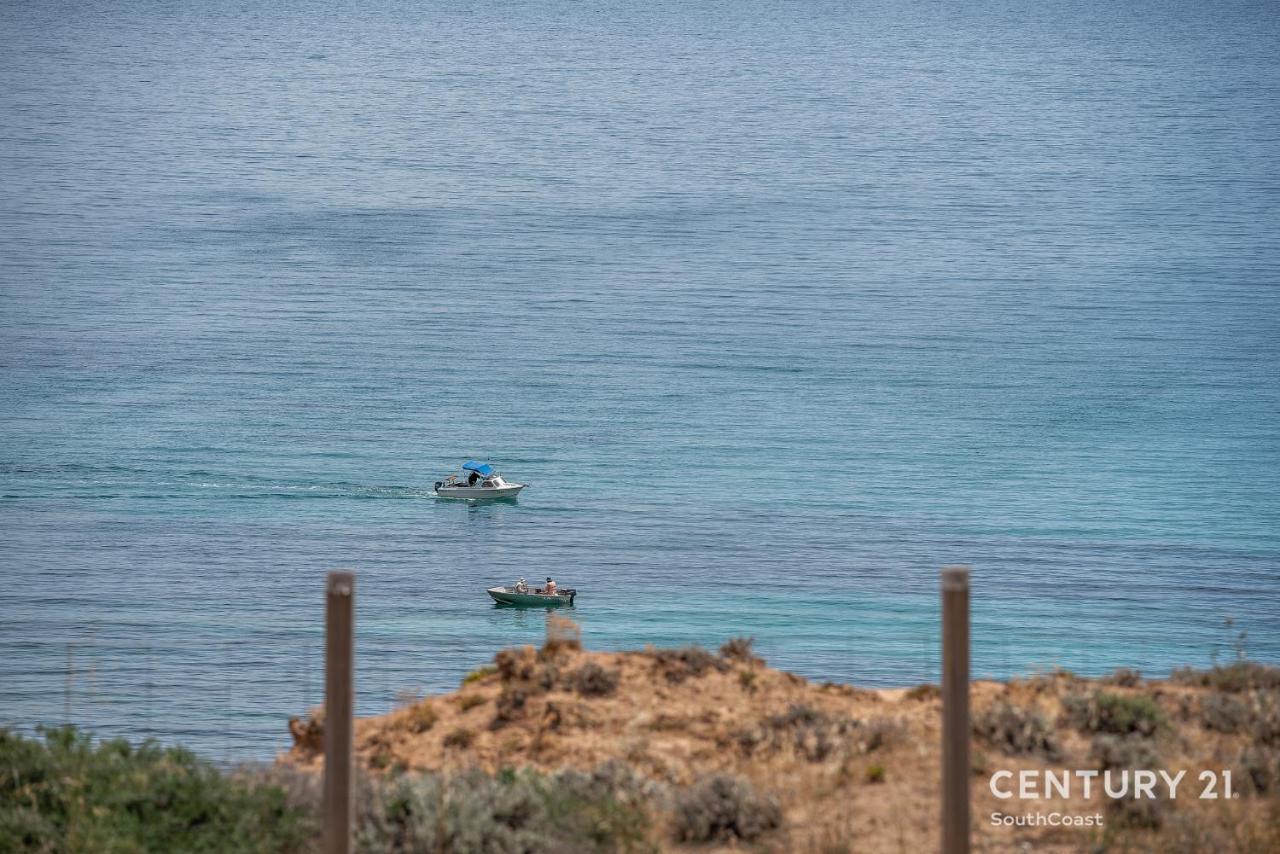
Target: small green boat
529, 599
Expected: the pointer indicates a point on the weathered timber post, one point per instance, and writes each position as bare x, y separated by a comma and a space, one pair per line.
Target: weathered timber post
339, 673
955, 710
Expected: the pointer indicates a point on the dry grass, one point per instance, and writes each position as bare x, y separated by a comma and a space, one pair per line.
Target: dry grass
459, 737
420, 717
466, 702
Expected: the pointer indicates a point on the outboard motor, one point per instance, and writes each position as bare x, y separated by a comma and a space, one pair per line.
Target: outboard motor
570, 592
439, 483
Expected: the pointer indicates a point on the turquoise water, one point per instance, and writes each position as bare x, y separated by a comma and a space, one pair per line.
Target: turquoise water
780, 308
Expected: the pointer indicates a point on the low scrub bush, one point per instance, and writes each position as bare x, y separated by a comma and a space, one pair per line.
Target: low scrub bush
513, 811
1116, 714
509, 707
1118, 752
739, 649
1261, 767
798, 716
1053, 682
467, 702
1264, 728
1126, 753
592, 680
810, 732
1223, 713
421, 717
461, 738
308, 732
63, 792
923, 692
1015, 730
723, 809
680, 664
880, 733
382, 758
519, 664
815, 735
1238, 676
1125, 678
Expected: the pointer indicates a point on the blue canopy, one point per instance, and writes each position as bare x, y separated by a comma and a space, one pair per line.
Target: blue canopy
482, 469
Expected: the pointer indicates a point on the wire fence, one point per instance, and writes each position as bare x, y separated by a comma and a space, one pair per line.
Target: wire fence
227, 692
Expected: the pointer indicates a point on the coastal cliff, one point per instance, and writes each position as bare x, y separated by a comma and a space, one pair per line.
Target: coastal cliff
700, 749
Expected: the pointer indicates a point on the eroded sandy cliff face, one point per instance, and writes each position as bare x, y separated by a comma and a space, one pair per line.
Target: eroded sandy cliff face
833, 768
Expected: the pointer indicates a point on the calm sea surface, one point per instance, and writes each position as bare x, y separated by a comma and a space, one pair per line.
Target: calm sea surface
779, 307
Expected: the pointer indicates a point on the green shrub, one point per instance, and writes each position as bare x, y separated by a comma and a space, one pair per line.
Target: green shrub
875, 773
479, 673
1117, 714
66, 793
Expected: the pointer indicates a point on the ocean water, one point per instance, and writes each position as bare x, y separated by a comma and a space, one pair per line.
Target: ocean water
779, 307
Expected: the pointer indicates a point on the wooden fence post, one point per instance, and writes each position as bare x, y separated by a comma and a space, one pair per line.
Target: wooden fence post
955, 710
339, 673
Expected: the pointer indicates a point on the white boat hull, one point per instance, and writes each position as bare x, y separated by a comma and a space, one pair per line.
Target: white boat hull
479, 493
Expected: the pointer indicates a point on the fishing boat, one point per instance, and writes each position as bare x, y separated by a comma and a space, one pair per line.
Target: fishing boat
479, 482
532, 599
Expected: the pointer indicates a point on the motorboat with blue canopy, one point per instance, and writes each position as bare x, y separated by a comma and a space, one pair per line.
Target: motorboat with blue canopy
479, 481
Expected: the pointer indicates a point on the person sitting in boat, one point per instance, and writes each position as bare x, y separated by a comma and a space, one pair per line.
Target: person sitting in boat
471, 481
522, 586
551, 586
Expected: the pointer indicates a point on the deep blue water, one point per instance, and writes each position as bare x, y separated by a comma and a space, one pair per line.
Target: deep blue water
780, 308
